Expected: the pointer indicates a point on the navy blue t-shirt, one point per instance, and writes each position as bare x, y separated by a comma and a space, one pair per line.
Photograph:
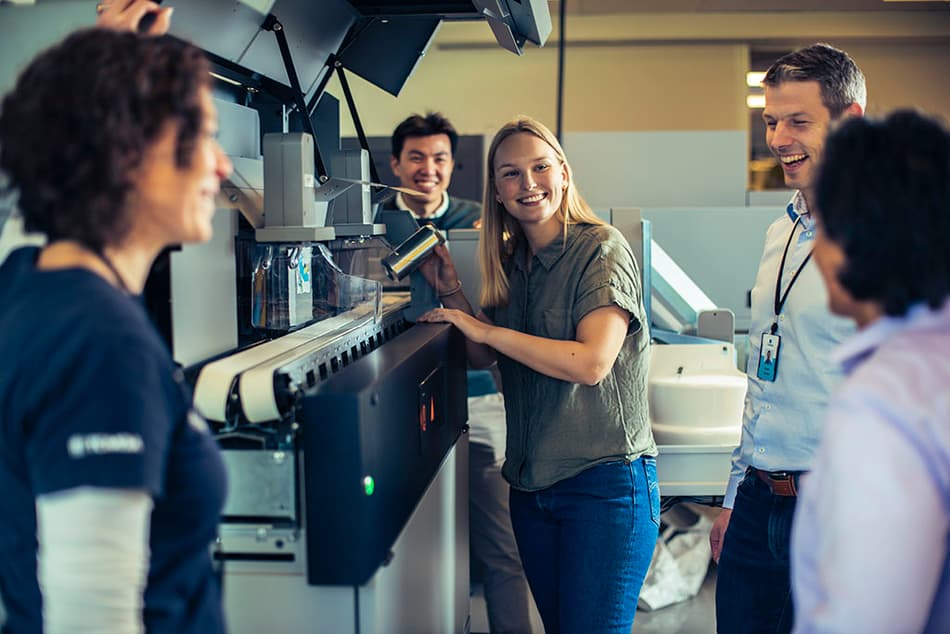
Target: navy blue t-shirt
89, 396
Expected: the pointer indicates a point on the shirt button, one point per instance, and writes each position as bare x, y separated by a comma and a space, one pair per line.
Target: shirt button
781, 317
761, 449
768, 407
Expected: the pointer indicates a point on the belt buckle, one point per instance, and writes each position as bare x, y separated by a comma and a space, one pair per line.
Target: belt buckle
783, 483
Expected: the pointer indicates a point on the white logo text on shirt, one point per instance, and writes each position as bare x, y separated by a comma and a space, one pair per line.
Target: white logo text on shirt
82, 445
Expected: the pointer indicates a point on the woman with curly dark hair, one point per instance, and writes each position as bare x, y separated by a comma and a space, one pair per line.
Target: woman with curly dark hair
870, 549
112, 485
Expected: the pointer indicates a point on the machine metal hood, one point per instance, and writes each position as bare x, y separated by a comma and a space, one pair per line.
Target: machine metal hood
380, 40
512, 21
232, 30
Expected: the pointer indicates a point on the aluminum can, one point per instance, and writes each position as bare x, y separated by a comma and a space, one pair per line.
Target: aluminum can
407, 257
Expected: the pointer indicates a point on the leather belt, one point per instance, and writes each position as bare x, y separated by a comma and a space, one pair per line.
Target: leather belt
783, 483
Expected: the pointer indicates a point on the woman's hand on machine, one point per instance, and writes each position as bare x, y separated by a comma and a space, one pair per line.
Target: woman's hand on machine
473, 328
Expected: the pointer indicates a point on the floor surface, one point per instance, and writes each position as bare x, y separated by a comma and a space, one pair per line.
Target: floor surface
695, 616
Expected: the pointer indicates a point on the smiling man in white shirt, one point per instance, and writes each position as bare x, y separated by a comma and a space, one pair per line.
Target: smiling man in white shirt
792, 329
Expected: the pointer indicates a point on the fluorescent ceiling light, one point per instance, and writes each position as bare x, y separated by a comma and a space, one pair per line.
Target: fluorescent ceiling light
755, 101
753, 79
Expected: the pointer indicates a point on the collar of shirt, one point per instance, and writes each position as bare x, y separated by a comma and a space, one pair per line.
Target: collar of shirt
864, 342
401, 204
798, 208
549, 254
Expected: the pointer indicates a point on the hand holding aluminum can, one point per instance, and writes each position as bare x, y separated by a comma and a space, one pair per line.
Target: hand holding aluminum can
407, 257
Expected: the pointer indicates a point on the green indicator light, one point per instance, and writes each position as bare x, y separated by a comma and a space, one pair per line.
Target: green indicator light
369, 485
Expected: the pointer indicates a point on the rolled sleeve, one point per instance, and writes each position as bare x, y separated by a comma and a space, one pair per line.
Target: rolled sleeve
611, 278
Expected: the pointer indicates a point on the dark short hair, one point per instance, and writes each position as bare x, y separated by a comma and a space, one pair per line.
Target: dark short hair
883, 195
417, 125
841, 81
80, 119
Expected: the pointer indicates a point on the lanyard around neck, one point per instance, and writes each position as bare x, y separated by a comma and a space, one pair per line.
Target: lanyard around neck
779, 296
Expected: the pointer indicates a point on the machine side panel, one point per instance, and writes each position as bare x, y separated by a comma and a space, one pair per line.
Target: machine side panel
375, 435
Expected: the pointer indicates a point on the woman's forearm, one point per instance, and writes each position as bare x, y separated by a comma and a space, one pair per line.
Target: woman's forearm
586, 359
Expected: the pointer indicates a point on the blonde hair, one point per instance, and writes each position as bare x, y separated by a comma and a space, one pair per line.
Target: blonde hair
500, 231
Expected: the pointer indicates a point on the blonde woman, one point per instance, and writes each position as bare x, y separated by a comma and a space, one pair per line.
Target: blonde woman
562, 315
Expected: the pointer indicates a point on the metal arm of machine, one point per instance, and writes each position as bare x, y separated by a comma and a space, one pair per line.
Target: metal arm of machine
351, 105
271, 23
334, 64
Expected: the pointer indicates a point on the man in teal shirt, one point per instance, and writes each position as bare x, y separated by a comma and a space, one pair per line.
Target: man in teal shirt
423, 150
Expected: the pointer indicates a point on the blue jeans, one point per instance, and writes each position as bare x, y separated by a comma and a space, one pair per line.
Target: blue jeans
586, 543
753, 588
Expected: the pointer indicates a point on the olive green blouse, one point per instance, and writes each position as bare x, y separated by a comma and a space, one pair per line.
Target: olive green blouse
557, 429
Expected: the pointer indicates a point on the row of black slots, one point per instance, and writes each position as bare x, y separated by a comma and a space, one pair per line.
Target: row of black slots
366, 346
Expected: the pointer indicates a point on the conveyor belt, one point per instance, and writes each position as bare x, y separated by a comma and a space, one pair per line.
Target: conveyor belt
249, 375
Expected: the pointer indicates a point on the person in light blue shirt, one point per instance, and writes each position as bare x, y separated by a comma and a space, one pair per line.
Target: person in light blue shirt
871, 540
791, 334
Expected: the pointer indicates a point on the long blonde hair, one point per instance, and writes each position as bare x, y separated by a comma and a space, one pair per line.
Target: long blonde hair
501, 232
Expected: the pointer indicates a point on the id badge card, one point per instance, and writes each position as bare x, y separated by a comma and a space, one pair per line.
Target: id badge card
768, 357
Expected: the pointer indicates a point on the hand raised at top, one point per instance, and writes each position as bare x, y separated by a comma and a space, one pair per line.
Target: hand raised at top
126, 15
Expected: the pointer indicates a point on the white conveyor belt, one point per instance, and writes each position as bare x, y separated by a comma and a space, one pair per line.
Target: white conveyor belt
254, 368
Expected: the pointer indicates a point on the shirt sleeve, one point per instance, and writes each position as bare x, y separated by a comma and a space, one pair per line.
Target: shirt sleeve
106, 420
610, 277
93, 551
870, 537
739, 463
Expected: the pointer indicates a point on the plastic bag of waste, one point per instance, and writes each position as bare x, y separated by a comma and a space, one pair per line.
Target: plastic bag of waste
680, 559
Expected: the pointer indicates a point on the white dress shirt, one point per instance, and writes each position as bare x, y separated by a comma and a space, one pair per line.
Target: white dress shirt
781, 423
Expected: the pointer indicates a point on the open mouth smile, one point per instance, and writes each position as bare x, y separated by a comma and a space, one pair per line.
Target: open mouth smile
791, 160
530, 200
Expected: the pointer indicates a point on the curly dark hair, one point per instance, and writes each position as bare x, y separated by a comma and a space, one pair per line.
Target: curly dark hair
417, 125
883, 195
80, 119
842, 82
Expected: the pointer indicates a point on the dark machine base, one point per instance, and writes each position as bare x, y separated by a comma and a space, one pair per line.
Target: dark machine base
374, 436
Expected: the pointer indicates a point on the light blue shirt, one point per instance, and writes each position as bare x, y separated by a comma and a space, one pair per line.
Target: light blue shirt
870, 549
781, 423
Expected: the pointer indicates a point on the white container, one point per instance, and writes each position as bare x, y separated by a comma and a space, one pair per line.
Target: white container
696, 394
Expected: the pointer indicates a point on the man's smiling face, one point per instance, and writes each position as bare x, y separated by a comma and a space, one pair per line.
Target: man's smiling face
425, 165
796, 122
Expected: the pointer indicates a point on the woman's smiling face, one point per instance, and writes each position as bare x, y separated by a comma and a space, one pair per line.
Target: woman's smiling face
529, 178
